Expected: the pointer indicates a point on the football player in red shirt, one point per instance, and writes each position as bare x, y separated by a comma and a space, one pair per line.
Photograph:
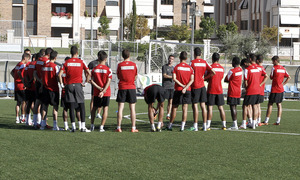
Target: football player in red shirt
127, 73
183, 76
259, 62
151, 93
252, 77
234, 78
199, 95
215, 92
50, 94
73, 68
278, 74
18, 74
101, 79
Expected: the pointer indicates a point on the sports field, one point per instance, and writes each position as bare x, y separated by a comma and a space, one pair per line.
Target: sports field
269, 152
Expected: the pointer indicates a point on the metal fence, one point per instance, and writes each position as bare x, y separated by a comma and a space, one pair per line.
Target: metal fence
11, 35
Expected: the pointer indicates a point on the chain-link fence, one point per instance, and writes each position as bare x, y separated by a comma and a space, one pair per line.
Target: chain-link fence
11, 35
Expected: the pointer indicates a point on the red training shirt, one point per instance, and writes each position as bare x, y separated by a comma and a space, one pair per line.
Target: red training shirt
63, 91
262, 88
234, 76
49, 76
100, 75
19, 86
183, 73
253, 77
215, 82
126, 73
39, 64
278, 73
73, 68
200, 66
29, 72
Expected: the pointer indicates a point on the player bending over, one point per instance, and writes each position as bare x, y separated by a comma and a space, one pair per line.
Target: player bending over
183, 76
278, 74
234, 78
101, 79
215, 92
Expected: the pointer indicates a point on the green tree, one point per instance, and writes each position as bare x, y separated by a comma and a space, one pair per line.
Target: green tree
270, 34
207, 27
223, 29
141, 27
179, 32
134, 19
104, 26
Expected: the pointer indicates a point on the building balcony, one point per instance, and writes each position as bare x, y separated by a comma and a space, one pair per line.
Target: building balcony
57, 21
209, 9
62, 1
165, 22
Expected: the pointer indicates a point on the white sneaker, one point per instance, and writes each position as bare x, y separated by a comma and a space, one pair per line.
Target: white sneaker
66, 128
99, 116
101, 130
17, 121
85, 130
233, 128
243, 126
90, 117
56, 128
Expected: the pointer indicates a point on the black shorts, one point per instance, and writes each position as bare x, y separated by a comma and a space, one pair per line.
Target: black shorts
38, 92
199, 95
215, 99
20, 96
155, 92
30, 95
168, 93
50, 97
74, 93
180, 98
276, 97
64, 104
233, 101
261, 99
101, 102
127, 95
251, 99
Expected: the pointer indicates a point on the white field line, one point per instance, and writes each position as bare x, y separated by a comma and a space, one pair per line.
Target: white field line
248, 131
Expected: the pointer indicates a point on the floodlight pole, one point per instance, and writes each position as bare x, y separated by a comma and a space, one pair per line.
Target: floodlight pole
193, 27
278, 32
92, 14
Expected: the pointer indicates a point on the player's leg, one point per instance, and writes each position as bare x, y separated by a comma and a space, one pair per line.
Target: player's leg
119, 116
99, 113
255, 115
268, 113
169, 108
55, 111
93, 112
82, 117
233, 112
151, 116
173, 116
184, 116
17, 110
222, 116
44, 115
209, 116
245, 115
91, 104
195, 117
160, 115
104, 118
204, 115
23, 107
132, 117
279, 112
258, 114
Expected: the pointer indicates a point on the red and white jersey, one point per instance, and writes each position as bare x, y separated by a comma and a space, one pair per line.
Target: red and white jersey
200, 66
29, 73
73, 68
39, 64
215, 82
63, 91
234, 76
278, 73
253, 77
100, 75
49, 76
262, 88
183, 73
19, 86
126, 72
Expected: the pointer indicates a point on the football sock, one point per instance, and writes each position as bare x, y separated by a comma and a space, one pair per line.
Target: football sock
235, 123
133, 128
101, 127
35, 119
82, 125
170, 125
267, 120
168, 115
250, 120
278, 120
244, 123
208, 123
204, 126
79, 125
152, 126
43, 124
182, 125
259, 120
159, 125
118, 127
23, 116
73, 125
27, 118
92, 126
224, 123
66, 124
196, 125
54, 123
39, 118
254, 124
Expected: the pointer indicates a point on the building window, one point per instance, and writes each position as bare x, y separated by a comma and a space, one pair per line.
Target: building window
17, 13
244, 25
57, 31
88, 7
17, 1
253, 25
230, 10
31, 21
62, 8
245, 4
183, 22
167, 2
166, 17
112, 3
88, 34
227, 9
257, 25
234, 6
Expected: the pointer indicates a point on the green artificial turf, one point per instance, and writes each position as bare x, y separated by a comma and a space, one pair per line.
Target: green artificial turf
26, 153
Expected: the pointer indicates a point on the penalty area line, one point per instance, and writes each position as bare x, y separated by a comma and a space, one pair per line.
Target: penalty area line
247, 131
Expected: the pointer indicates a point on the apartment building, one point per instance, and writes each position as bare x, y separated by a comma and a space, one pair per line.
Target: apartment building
253, 15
